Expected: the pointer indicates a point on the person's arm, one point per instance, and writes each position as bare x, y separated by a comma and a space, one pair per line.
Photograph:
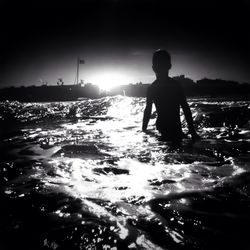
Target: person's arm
188, 115
147, 113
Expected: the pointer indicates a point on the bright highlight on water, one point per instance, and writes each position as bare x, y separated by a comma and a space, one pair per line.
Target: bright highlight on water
80, 175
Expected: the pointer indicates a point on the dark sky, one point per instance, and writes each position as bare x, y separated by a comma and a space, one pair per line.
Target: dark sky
40, 40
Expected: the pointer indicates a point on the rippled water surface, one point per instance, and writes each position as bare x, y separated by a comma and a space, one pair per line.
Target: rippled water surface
82, 175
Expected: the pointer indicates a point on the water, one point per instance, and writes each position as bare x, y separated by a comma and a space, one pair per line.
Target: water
82, 175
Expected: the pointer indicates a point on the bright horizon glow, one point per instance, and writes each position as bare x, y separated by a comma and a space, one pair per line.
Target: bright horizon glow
108, 80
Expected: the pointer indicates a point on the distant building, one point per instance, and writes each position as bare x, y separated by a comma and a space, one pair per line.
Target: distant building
216, 83
219, 87
188, 85
185, 81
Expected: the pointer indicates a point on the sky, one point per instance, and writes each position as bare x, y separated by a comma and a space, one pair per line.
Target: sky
41, 40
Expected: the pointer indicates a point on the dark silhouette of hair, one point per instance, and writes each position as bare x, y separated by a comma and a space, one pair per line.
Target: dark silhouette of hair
161, 54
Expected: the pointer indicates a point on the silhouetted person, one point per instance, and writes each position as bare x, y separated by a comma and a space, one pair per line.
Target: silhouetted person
168, 97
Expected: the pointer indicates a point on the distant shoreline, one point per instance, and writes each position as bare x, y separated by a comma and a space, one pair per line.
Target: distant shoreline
204, 88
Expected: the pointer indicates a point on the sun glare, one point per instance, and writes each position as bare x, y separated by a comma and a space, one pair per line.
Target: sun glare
108, 80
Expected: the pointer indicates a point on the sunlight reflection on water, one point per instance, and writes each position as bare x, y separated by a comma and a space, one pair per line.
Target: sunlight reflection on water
131, 188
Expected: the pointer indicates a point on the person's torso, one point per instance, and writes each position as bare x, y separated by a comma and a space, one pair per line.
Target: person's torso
167, 96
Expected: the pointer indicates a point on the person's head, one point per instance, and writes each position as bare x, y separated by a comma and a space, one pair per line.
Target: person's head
161, 62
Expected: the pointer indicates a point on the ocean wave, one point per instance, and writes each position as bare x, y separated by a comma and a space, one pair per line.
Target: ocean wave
82, 175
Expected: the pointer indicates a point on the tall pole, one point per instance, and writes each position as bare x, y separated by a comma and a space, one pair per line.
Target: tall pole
77, 71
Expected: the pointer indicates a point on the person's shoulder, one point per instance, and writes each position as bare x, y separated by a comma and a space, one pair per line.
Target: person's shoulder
152, 85
174, 81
